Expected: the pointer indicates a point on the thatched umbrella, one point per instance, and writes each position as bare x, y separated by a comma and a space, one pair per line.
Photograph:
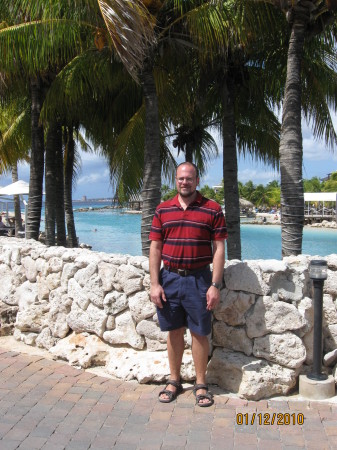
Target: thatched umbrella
246, 203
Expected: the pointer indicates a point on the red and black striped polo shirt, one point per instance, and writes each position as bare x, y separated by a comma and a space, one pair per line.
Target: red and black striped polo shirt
187, 235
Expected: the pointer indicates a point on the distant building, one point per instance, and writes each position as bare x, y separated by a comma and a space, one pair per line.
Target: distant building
84, 198
327, 177
217, 188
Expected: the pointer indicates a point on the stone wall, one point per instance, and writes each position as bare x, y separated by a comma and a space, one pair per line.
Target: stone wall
93, 309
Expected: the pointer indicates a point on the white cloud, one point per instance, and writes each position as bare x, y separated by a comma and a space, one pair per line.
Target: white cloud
258, 176
91, 157
314, 150
96, 177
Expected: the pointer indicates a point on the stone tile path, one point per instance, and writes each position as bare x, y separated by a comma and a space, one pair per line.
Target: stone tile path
49, 405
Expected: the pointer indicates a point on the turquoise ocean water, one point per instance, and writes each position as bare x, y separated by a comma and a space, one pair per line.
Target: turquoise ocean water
119, 232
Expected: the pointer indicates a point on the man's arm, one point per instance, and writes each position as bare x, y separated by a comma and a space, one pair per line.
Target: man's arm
213, 293
156, 292
218, 261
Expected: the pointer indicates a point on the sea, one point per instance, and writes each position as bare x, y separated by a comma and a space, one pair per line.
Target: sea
117, 231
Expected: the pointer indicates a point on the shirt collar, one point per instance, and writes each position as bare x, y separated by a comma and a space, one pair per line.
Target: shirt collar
175, 200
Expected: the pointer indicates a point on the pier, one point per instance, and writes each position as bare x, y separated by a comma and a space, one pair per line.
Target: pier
315, 209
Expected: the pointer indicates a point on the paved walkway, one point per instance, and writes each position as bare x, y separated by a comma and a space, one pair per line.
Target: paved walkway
46, 404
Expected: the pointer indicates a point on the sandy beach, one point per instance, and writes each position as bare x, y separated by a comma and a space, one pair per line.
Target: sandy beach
274, 219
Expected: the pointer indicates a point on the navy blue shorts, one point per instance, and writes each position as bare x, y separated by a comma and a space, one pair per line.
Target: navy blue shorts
185, 304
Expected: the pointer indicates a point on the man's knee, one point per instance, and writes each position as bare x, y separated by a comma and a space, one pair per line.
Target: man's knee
200, 342
176, 334
199, 337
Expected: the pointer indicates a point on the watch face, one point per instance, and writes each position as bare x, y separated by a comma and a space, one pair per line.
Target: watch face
217, 285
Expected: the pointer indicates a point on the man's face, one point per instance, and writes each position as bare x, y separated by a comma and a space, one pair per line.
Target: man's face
186, 180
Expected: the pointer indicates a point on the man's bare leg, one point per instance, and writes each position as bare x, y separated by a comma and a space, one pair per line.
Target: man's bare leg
200, 349
175, 350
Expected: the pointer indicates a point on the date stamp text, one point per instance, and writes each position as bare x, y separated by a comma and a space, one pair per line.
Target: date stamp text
270, 419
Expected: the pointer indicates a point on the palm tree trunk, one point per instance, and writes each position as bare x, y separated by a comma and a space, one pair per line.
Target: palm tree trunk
50, 184
152, 165
189, 152
36, 163
61, 237
291, 150
68, 186
17, 207
230, 173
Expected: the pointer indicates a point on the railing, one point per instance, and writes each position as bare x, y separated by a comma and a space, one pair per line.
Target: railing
320, 212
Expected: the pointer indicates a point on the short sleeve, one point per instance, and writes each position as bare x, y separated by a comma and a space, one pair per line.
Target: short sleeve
219, 231
156, 228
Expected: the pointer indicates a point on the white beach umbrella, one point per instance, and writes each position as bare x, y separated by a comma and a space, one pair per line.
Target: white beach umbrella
18, 188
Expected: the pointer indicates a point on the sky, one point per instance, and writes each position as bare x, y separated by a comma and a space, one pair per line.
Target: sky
93, 180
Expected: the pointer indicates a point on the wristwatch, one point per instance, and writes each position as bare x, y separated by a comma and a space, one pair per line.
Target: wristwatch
217, 285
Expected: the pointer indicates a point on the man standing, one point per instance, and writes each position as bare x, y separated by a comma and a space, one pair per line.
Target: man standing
187, 234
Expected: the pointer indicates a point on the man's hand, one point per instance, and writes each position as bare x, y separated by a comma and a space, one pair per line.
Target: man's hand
212, 298
157, 295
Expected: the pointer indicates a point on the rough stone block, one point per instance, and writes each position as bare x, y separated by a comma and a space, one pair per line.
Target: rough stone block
141, 306
82, 350
270, 316
285, 349
245, 276
151, 331
92, 320
7, 319
125, 332
232, 338
233, 307
146, 367
115, 302
249, 377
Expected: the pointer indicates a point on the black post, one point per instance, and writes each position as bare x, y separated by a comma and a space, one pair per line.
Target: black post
318, 320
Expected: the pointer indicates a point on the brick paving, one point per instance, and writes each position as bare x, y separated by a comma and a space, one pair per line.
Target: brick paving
50, 405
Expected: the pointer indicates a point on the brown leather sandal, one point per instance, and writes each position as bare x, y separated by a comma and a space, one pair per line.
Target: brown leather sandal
171, 395
208, 396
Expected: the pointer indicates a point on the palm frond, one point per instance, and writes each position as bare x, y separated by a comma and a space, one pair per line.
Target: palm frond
15, 137
319, 92
41, 46
77, 167
93, 85
131, 29
126, 159
81, 10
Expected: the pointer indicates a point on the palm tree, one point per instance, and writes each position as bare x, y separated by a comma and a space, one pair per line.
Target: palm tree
312, 185
306, 19
17, 206
32, 31
54, 205
248, 126
243, 108
14, 144
70, 164
36, 162
189, 110
330, 185
140, 32
268, 55
94, 92
246, 190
